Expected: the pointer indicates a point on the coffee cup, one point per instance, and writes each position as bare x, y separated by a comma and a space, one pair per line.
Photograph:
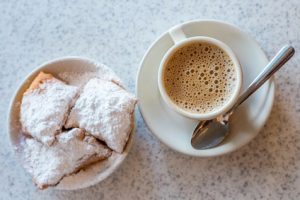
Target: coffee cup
199, 77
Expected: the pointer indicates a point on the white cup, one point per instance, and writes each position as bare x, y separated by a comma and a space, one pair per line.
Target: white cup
181, 40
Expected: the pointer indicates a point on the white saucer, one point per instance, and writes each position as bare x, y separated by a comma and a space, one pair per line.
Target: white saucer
174, 130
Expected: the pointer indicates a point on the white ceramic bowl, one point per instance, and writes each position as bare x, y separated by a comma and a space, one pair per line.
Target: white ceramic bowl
94, 173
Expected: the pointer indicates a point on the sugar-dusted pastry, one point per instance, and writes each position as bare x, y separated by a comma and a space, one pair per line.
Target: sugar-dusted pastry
45, 106
105, 110
72, 151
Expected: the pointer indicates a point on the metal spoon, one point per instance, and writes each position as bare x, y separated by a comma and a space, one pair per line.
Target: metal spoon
210, 133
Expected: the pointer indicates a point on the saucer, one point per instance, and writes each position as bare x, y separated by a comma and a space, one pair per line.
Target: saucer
175, 130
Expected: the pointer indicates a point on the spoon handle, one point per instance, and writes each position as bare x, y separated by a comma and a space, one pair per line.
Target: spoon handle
275, 64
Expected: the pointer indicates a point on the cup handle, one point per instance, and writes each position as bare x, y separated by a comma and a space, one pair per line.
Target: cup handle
177, 34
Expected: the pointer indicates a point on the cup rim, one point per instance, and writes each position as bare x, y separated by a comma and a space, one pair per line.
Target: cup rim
200, 116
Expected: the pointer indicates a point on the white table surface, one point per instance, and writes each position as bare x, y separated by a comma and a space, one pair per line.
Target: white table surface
118, 33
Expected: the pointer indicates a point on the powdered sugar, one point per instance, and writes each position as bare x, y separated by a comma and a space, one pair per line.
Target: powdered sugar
93, 174
71, 151
75, 78
43, 111
105, 110
79, 79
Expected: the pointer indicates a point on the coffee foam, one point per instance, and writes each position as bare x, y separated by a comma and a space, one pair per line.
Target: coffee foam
200, 77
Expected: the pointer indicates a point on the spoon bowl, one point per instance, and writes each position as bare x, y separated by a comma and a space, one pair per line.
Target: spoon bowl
213, 132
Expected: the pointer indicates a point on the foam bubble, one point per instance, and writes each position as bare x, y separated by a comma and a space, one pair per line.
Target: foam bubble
200, 77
